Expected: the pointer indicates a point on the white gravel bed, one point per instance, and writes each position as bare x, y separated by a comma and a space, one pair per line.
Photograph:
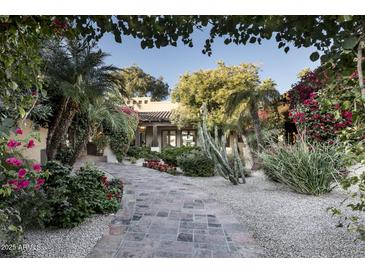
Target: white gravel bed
60, 243
285, 223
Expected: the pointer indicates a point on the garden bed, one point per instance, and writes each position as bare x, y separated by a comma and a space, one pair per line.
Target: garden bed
285, 223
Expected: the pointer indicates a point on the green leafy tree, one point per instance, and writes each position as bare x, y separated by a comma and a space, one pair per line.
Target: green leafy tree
213, 88
138, 83
233, 90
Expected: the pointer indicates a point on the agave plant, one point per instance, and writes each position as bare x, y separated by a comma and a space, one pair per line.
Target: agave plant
306, 168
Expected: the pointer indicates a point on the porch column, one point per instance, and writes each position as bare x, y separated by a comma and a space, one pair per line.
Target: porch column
154, 136
138, 141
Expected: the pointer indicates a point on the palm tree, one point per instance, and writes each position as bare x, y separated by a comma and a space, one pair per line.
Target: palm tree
248, 101
101, 116
76, 78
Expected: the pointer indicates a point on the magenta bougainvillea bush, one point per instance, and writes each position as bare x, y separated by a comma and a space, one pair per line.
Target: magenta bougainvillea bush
309, 83
19, 178
315, 116
18, 173
317, 124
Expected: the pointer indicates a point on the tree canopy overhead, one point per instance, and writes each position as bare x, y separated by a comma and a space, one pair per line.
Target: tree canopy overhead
139, 83
333, 36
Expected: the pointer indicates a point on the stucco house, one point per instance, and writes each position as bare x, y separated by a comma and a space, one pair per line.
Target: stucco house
156, 130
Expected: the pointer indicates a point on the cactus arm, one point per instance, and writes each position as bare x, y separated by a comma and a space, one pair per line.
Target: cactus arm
239, 161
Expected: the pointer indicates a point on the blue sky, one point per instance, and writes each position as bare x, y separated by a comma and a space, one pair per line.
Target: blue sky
171, 62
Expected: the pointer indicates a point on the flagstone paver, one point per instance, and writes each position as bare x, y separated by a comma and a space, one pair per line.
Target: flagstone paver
164, 216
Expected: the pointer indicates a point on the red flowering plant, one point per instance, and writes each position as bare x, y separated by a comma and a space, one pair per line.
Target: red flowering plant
113, 190
318, 123
17, 173
317, 110
310, 82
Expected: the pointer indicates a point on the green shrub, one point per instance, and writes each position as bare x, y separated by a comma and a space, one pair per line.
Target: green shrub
119, 144
306, 168
72, 198
32, 207
143, 153
57, 170
10, 232
138, 152
170, 154
152, 155
196, 163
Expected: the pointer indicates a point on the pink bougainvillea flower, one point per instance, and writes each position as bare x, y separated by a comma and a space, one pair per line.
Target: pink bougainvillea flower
41, 181
30, 143
19, 131
13, 161
347, 115
37, 187
13, 182
22, 172
24, 183
12, 143
37, 167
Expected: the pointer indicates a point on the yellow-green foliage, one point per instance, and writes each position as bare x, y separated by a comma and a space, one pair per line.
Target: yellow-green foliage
213, 87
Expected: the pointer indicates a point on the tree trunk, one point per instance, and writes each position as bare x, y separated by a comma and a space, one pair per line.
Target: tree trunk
359, 70
61, 128
248, 153
54, 124
256, 124
79, 145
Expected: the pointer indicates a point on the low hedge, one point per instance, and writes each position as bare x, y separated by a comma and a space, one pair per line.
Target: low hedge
143, 153
196, 163
170, 154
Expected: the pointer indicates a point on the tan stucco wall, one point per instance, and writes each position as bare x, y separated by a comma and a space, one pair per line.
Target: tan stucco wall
146, 105
35, 152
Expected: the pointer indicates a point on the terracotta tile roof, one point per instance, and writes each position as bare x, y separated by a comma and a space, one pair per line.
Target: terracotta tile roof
155, 116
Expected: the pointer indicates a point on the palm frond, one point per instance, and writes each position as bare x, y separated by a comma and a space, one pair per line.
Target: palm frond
235, 101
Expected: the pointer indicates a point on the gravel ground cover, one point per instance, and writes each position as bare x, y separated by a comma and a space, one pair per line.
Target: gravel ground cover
285, 223
71, 243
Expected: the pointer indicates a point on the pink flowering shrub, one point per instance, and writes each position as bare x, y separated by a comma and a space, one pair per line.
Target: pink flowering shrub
17, 173
309, 83
319, 118
129, 111
20, 182
319, 125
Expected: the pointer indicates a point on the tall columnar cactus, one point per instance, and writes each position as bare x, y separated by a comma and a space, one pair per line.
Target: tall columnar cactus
216, 150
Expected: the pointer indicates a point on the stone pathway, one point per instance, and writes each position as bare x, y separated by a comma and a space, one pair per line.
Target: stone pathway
165, 216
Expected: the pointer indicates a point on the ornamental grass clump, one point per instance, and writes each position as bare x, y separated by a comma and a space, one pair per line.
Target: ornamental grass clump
306, 168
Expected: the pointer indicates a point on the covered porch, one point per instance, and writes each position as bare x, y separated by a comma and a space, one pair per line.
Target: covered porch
159, 135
